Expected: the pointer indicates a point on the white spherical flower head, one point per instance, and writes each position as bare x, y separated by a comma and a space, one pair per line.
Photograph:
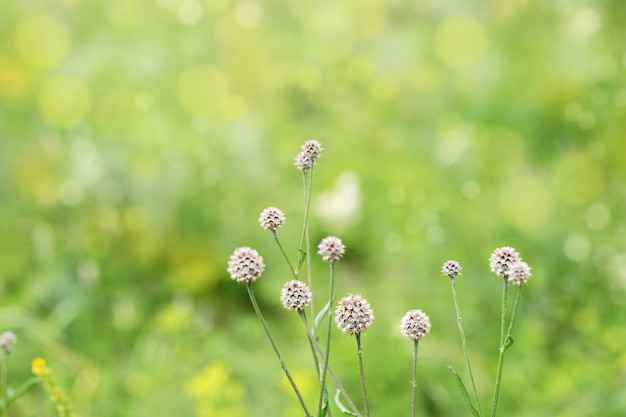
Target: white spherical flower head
501, 260
304, 161
312, 148
295, 295
245, 265
272, 219
519, 273
6, 341
353, 314
415, 325
451, 269
331, 249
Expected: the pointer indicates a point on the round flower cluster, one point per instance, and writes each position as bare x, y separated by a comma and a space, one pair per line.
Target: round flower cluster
245, 265
501, 260
451, 269
6, 340
295, 295
311, 150
271, 218
353, 314
519, 273
415, 325
331, 249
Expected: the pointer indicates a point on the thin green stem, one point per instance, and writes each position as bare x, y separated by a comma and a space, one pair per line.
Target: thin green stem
331, 296
505, 287
464, 342
362, 374
3, 383
414, 381
330, 369
293, 271
278, 354
503, 340
304, 249
503, 347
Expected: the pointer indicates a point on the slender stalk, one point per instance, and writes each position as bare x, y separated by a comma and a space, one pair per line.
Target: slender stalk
331, 296
414, 381
3, 384
330, 369
278, 354
293, 271
464, 342
305, 243
359, 350
503, 348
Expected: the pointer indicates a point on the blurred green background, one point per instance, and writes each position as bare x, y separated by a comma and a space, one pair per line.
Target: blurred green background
140, 140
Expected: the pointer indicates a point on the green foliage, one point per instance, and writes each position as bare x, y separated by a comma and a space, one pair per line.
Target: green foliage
139, 141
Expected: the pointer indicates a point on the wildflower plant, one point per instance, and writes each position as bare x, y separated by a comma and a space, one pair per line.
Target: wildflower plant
353, 314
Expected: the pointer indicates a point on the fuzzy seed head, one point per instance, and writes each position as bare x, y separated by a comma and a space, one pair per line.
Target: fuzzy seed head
331, 249
272, 219
501, 260
245, 265
313, 148
415, 325
295, 295
451, 269
353, 314
519, 273
6, 340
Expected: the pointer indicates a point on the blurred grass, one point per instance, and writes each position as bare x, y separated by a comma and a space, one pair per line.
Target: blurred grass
140, 140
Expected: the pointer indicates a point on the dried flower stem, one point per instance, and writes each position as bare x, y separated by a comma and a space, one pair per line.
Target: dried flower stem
464, 342
317, 347
361, 373
414, 381
331, 297
278, 354
504, 343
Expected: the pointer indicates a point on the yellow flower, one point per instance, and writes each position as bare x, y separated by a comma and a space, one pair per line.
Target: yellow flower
39, 367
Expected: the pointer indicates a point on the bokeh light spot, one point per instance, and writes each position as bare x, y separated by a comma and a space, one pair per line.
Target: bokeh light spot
309, 79
461, 42
201, 88
577, 248
525, 202
578, 179
190, 12
64, 101
70, 193
248, 14
42, 41
470, 189
598, 216
499, 152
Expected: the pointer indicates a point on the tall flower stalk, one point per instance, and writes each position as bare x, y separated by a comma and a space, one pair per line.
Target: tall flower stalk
246, 266
353, 316
331, 249
452, 269
415, 325
507, 263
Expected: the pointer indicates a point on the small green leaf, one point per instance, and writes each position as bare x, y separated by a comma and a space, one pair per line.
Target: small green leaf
301, 258
508, 343
324, 410
459, 381
320, 316
342, 407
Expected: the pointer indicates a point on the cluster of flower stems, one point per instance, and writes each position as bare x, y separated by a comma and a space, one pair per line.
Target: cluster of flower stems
353, 314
